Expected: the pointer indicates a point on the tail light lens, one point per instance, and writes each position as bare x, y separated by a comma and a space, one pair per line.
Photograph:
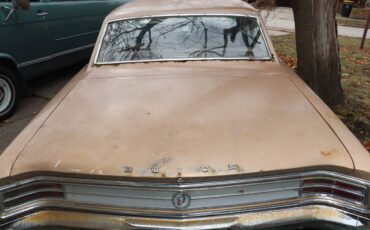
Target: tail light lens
32, 192
335, 188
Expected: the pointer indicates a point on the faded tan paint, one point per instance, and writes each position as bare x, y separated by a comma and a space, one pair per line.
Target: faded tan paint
180, 116
141, 8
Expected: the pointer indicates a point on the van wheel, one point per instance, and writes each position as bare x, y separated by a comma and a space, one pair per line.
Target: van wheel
9, 93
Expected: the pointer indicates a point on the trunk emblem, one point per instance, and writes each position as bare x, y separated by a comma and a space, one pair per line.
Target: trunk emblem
181, 200
204, 168
127, 169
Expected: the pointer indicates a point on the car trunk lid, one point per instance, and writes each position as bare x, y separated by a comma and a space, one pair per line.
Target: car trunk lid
195, 119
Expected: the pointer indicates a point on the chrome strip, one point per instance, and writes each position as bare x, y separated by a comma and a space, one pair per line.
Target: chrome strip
314, 213
189, 185
48, 58
352, 207
183, 59
61, 204
75, 36
335, 197
245, 194
35, 61
32, 193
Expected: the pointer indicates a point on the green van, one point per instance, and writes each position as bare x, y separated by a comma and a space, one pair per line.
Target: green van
41, 36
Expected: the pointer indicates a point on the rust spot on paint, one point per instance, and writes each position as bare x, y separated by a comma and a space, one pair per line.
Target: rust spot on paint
71, 220
161, 162
163, 175
326, 153
235, 167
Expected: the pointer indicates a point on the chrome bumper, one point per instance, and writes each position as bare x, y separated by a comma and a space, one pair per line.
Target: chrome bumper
323, 197
328, 217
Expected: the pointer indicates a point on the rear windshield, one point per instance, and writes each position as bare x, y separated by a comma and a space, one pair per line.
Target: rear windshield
183, 38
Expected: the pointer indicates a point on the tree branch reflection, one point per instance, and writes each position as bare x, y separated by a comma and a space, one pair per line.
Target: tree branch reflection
181, 38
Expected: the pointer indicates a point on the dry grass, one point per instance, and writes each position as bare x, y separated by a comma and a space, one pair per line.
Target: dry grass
351, 22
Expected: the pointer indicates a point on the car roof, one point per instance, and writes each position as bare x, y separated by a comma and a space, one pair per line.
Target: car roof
139, 8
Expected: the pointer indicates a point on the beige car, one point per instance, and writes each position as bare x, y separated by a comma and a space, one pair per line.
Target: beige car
185, 119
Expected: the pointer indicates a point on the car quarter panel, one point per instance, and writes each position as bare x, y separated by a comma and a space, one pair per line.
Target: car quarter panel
9, 156
360, 157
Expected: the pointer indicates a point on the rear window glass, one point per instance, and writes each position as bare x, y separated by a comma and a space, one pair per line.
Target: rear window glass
183, 38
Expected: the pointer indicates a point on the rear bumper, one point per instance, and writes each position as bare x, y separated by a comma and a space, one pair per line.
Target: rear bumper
321, 216
324, 198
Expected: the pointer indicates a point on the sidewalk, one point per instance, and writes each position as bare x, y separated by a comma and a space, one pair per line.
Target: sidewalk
281, 21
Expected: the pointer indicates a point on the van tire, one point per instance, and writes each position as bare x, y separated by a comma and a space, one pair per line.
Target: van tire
9, 93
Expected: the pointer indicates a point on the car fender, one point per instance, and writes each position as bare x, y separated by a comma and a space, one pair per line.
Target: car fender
9, 60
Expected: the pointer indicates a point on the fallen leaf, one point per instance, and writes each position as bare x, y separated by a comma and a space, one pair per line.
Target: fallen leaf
367, 145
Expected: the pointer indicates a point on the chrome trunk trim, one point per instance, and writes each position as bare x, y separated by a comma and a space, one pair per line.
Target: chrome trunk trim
315, 214
164, 192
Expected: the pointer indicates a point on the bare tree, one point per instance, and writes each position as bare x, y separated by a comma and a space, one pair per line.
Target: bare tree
317, 47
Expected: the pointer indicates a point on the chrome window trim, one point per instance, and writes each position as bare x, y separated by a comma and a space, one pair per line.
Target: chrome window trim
183, 59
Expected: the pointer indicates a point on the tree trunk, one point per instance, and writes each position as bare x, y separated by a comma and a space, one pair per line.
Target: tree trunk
362, 3
317, 47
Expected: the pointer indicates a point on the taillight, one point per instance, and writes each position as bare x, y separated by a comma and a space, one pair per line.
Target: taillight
32, 192
335, 188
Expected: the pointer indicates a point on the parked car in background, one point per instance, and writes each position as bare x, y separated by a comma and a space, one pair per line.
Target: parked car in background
42, 36
185, 119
